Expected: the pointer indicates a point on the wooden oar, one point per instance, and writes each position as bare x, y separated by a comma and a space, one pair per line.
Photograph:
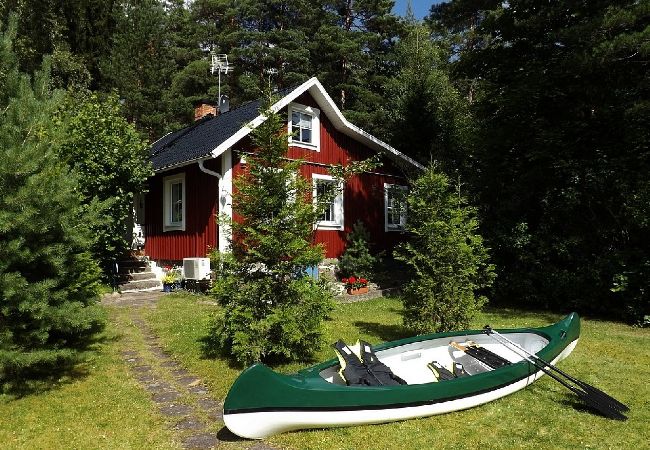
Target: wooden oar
587, 387
598, 402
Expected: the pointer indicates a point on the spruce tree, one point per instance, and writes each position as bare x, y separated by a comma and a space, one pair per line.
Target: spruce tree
446, 256
272, 310
48, 281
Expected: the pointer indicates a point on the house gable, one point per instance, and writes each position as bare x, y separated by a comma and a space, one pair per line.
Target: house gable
212, 136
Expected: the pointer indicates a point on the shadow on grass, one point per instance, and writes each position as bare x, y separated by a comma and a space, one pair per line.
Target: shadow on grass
516, 313
226, 435
56, 374
382, 331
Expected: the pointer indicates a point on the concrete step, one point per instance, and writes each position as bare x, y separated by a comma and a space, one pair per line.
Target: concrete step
140, 285
132, 266
136, 276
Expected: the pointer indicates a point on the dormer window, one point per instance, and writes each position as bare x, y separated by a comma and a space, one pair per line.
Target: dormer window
304, 126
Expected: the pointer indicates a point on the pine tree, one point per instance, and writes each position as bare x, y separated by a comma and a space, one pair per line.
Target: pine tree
48, 280
427, 118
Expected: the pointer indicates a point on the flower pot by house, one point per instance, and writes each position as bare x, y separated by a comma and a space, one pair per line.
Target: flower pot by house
167, 287
358, 291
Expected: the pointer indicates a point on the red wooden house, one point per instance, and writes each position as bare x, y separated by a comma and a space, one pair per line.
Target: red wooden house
194, 168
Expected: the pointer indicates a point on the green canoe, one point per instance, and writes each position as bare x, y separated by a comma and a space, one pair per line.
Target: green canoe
262, 402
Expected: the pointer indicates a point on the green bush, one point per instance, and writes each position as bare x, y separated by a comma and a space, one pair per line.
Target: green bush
446, 256
357, 259
109, 158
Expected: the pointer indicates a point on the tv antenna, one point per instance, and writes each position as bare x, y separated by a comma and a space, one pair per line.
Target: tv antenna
220, 65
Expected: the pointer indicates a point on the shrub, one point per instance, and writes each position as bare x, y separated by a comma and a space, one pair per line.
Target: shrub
446, 256
357, 259
109, 158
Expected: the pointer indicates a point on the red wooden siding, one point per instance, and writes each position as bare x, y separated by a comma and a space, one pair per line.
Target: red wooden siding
363, 198
200, 233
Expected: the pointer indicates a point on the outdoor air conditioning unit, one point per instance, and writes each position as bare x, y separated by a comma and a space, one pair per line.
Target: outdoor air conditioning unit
196, 268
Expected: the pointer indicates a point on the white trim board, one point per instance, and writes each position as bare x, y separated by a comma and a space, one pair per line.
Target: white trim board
327, 105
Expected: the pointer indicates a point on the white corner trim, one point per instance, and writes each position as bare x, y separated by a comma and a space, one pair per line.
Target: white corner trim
326, 104
225, 201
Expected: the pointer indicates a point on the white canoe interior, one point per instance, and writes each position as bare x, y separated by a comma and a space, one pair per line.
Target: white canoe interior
410, 361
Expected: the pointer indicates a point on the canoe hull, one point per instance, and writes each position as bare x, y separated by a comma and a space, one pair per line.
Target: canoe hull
266, 420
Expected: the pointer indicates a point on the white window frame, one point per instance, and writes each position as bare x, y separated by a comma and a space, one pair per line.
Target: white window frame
394, 227
339, 219
315, 126
168, 225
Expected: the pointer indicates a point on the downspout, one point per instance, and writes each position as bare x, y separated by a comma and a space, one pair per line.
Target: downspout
214, 174
210, 172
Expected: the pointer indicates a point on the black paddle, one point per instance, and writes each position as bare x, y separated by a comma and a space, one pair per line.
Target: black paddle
595, 398
587, 387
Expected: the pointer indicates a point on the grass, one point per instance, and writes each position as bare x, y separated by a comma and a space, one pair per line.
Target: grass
99, 407
103, 407
610, 355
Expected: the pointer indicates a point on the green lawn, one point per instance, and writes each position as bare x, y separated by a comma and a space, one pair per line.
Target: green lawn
105, 408
100, 407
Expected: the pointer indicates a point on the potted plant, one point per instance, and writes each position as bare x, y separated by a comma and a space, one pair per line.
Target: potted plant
171, 278
355, 286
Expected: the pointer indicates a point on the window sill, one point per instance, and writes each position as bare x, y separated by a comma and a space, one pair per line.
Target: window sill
167, 228
304, 145
328, 226
389, 229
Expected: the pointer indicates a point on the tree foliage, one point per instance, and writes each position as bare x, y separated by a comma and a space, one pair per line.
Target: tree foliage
272, 311
563, 105
446, 256
109, 158
48, 280
357, 260
427, 118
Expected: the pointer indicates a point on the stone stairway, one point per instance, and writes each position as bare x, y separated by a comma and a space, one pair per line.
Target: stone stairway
135, 275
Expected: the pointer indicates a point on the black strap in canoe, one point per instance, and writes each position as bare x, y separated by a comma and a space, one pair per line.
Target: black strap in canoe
440, 372
484, 355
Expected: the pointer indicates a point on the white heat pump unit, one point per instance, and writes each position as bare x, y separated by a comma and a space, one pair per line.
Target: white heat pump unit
196, 268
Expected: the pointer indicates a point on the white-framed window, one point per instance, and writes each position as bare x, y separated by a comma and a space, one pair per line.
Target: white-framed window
304, 126
394, 207
174, 203
332, 217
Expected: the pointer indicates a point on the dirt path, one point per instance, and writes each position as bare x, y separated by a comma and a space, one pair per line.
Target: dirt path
181, 397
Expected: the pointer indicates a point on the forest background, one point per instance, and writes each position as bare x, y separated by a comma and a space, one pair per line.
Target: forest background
539, 109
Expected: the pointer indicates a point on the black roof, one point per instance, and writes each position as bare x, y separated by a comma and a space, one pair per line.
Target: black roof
199, 139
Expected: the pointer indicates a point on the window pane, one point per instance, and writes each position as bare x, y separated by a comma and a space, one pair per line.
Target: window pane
394, 208
306, 136
177, 202
322, 187
295, 118
306, 121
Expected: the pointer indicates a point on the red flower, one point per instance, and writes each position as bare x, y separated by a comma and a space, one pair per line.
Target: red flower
344, 280
353, 280
363, 280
